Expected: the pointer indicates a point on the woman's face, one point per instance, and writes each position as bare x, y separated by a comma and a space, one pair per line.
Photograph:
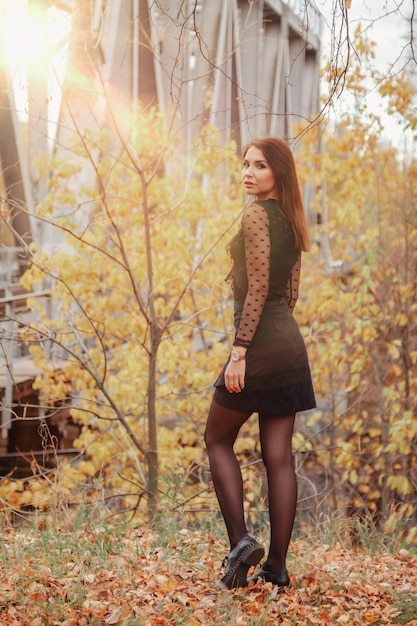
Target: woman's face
258, 177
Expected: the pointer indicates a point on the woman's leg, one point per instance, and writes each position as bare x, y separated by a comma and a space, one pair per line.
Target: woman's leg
222, 428
276, 445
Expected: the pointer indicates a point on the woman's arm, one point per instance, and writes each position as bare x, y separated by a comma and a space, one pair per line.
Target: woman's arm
291, 293
257, 252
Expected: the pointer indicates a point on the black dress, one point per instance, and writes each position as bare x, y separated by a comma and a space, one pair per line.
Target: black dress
264, 276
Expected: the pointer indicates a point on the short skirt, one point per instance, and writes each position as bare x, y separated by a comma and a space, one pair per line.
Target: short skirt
277, 379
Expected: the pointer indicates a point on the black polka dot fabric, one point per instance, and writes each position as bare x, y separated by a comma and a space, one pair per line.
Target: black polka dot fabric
265, 279
266, 264
257, 254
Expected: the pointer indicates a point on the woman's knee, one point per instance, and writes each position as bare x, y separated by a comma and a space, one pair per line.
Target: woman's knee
278, 458
213, 433
214, 437
276, 441
208, 438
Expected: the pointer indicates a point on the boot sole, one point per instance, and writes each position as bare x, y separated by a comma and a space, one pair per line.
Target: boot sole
238, 576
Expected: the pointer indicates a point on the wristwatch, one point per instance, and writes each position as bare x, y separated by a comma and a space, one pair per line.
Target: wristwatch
236, 356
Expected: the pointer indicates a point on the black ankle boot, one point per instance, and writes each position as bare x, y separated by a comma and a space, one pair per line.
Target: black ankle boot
246, 553
279, 577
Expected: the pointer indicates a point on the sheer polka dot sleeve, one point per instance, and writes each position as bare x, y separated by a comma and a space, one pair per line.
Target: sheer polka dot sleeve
291, 293
257, 253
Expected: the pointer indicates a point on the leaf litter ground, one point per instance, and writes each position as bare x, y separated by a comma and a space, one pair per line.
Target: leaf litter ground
142, 578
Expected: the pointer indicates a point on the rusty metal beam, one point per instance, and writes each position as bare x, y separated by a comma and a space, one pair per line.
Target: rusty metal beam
13, 165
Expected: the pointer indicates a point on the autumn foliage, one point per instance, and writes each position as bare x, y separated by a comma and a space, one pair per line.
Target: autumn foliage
360, 311
137, 301
147, 577
142, 319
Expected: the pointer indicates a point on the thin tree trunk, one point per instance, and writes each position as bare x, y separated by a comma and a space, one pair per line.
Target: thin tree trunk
152, 451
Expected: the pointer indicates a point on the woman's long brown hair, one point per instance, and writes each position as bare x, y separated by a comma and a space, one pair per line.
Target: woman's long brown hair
281, 160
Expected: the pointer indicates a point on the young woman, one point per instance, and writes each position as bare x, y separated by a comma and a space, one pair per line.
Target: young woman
267, 371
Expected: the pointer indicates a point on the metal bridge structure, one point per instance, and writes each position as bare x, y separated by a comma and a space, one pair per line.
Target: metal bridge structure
250, 68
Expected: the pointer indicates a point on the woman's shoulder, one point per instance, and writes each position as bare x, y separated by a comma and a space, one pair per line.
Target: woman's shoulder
271, 208
255, 211
259, 206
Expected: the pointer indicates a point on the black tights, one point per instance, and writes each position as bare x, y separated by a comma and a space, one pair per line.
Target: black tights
222, 428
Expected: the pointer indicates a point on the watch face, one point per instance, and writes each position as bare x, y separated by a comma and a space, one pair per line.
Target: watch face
235, 356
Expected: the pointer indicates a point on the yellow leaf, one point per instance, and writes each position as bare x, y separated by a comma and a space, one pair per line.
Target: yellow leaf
353, 477
401, 484
401, 319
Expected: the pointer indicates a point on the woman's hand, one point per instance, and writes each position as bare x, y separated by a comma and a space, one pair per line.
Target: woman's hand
234, 376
